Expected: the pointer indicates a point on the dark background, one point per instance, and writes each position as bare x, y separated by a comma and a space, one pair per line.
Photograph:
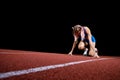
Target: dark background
49, 29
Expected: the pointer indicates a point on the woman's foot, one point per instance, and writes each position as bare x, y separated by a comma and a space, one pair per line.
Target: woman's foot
85, 52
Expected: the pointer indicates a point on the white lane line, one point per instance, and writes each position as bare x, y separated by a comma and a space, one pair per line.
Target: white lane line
38, 69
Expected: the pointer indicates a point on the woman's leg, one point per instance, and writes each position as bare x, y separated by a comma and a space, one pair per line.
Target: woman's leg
81, 46
92, 52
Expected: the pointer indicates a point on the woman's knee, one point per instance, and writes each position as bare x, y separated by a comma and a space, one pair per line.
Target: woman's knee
81, 46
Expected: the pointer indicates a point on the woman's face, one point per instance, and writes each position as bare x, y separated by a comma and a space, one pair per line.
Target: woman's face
77, 27
77, 30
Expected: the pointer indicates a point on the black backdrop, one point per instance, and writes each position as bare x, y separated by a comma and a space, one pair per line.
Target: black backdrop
50, 30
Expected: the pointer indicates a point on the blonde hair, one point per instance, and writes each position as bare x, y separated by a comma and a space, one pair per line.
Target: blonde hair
75, 28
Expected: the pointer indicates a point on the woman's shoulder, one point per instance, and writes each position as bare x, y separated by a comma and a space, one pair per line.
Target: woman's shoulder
86, 27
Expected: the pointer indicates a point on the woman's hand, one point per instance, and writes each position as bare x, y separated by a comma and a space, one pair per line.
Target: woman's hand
70, 53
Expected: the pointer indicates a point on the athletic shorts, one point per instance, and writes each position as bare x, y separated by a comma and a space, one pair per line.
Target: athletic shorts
92, 38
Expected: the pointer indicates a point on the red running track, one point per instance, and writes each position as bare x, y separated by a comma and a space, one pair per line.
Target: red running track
31, 65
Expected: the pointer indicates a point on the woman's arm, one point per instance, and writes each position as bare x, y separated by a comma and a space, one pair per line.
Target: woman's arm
88, 31
74, 44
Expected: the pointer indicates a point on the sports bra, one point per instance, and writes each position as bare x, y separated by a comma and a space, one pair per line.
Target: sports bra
83, 34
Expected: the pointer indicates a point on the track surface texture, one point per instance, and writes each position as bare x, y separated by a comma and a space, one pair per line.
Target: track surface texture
31, 65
